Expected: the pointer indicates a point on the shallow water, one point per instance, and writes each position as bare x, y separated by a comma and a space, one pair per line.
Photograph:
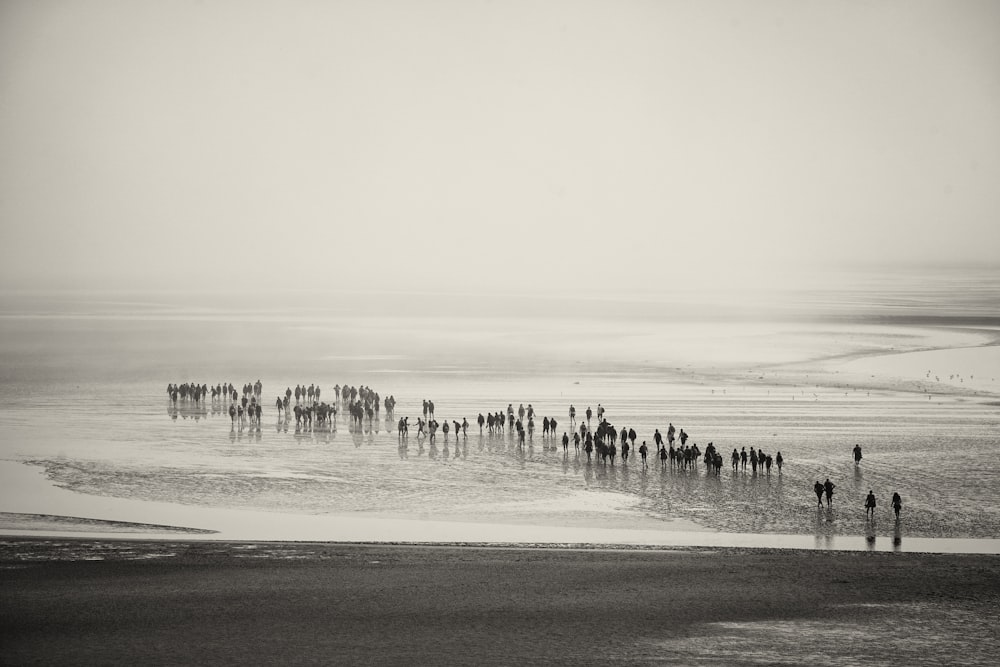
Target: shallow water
85, 400
869, 634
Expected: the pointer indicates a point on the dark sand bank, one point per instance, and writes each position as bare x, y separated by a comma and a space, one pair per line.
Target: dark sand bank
181, 603
74, 524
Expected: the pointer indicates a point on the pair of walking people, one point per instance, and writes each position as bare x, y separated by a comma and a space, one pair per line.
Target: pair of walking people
824, 489
870, 503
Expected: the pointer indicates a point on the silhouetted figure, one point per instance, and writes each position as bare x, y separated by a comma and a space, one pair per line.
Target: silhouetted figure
857, 454
897, 504
818, 488
828, 487
870, 505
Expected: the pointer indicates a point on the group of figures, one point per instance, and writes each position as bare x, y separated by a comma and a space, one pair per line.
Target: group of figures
825, 490
362, 404
606, 441
244, 404
192, 391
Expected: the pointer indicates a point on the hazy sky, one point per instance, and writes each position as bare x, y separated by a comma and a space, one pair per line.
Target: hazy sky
492, 145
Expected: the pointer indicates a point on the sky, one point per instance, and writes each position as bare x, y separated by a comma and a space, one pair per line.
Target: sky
493, 147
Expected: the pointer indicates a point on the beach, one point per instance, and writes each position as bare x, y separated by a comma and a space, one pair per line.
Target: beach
176, 602
139, 529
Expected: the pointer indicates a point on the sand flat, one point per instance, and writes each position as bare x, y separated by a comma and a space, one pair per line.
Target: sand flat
183, 602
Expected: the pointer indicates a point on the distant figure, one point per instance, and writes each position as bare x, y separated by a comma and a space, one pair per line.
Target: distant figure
643, 450
897, 504
828, 487
818, 488
565, 441
857, 454
870, 505
572, 415
778, 460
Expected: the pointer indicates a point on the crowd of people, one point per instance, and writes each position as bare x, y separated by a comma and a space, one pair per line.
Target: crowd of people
604, 443
310, 411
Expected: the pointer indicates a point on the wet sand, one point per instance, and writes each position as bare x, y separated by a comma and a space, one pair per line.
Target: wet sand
178, 602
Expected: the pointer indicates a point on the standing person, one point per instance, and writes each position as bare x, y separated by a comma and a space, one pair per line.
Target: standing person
870, 505
818, 488
857, 454
565, 441
778, 460
572, 415
643, 450
828, 487
897, 504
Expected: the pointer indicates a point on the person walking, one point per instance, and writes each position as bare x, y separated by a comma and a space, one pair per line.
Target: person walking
870, 505
828, 488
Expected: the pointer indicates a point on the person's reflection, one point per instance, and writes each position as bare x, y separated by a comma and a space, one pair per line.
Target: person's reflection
897, 537
821, 530
870, 536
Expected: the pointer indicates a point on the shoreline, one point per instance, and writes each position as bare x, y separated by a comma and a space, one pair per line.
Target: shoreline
531, 537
